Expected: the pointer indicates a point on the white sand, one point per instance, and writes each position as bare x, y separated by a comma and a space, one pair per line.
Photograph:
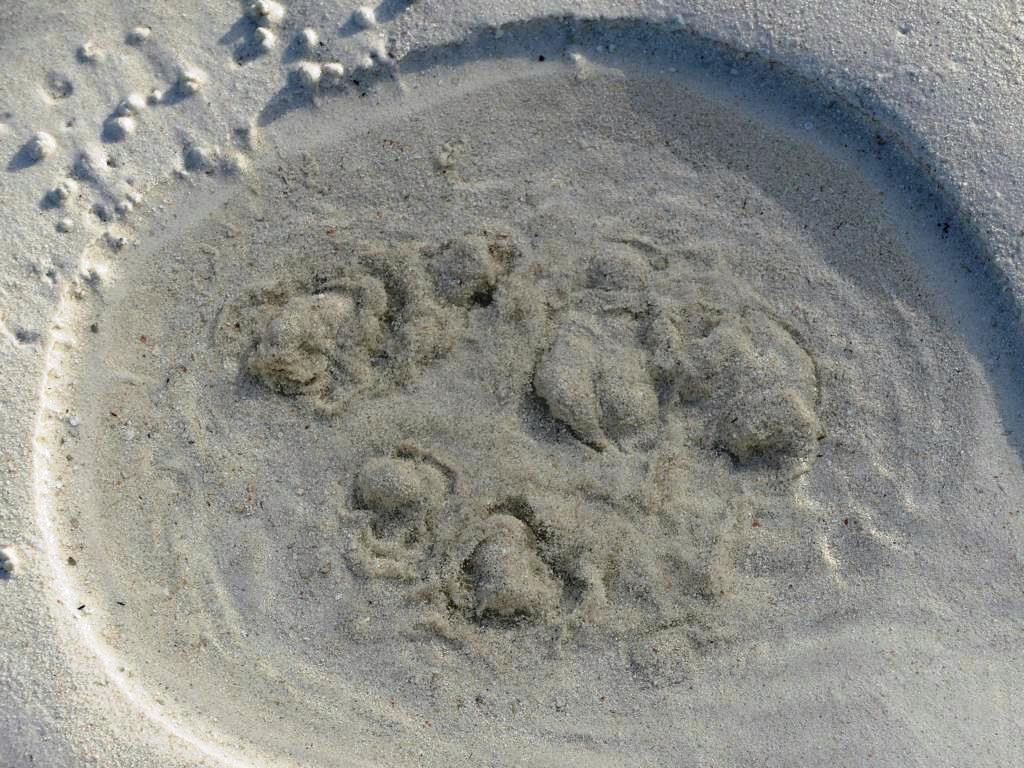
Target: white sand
578, 395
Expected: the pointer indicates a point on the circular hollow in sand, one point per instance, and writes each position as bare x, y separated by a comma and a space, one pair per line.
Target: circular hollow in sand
547, 394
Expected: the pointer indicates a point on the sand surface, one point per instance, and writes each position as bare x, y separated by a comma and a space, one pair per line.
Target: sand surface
585, 392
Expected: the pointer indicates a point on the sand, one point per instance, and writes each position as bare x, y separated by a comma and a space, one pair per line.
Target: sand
585, 393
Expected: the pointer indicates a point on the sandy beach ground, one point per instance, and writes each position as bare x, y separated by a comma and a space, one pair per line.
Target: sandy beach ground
511, 384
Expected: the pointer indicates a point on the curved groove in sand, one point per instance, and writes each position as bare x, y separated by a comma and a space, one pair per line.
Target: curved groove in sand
51, 408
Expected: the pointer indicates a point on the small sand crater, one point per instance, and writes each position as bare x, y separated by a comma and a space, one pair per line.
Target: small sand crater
537, 419
59, 85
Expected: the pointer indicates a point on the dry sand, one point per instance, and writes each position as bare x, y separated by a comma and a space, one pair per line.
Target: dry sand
584, 393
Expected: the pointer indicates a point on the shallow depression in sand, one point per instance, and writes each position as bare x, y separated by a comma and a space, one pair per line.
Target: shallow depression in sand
533, 398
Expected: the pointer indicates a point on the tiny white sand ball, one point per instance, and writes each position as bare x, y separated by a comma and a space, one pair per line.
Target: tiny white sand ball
123, 207
9, 560
265, 39
63, 192
332, 74
122, 127
65, 225
89, 52
138, 35
309, 39
364, 17
155, 97
191, 80
132, 104
309, 74
41, 146
266, 13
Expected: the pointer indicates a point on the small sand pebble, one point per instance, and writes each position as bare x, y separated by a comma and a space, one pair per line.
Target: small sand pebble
9, 560
266, 13
191, 80
89, 53
121, 127
132, 104
364, 17
265, 38
123, 207
309, 39
309, 74
65, 225
155, 97
138, 35
332, 74
41, 146
63, 192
